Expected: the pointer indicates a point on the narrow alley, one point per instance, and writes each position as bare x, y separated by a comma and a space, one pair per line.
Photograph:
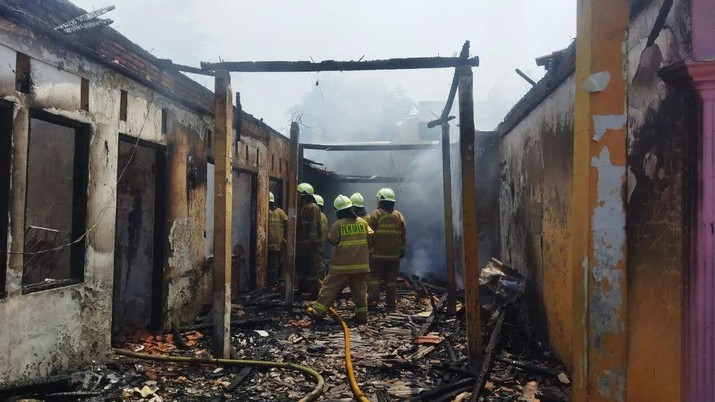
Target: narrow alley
482, 224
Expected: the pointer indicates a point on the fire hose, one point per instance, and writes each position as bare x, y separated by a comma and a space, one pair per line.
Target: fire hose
313, 395
348, 359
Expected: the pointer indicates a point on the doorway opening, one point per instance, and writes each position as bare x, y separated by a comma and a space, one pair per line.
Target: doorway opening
138, 299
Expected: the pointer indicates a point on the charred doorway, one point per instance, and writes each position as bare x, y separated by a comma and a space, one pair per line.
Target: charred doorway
243, 233
139, 240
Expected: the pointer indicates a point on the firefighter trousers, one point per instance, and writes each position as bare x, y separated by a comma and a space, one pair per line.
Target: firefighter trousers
275, 258
334, 284
307, 273
387, 271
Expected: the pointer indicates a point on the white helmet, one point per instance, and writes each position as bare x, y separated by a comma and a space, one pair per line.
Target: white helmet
342, 202
385, 194
318, 200
358, 200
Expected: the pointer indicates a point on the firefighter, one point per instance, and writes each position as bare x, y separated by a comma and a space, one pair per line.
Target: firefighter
349, 264
320, 257
359, 205
388, 249
277, 233
308, 241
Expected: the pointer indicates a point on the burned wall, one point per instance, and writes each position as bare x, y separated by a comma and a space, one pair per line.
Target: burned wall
662, 129
534, 197
60, 327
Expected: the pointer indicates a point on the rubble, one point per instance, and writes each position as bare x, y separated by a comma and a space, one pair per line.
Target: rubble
392, 357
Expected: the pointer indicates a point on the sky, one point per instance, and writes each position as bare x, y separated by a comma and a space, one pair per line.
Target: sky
505, 34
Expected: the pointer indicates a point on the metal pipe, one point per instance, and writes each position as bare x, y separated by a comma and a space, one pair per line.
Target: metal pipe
375, 146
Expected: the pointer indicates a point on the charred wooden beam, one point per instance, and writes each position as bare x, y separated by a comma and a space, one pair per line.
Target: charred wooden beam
470, 242
374, 146
333, 65
448, 222
223, 198
487, 362
167, 64
443, 118
368, 179
431, 319
292, 202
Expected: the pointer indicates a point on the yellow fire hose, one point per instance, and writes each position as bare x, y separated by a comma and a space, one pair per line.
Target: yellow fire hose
348, 360
313, 395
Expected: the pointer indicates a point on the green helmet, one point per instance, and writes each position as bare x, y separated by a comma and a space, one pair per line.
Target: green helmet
305, 188
358, 200
385, 194
271, 198
318, 200
342, 202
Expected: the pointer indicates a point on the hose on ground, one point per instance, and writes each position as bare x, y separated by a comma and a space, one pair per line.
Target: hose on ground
348, 359
311, 396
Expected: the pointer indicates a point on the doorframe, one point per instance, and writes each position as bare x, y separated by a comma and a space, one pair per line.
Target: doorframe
158, 285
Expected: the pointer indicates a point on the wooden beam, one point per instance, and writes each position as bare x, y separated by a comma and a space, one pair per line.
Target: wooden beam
448, 223
223, 192
262, 189
597, 257
291, 194
444, 117
470, 251
332, 65
370, 147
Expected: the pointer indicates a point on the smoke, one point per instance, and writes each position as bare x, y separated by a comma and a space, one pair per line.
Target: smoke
348, 111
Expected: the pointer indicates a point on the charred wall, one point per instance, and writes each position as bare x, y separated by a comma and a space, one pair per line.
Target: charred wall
662, 128
534, 197
63, 326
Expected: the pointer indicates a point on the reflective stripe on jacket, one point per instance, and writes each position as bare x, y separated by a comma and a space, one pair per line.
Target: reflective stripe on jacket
351, 253
390, 234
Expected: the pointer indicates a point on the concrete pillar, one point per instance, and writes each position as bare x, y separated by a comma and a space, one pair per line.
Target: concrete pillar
597, 255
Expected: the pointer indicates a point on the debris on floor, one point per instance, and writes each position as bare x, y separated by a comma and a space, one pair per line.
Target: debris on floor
414, 353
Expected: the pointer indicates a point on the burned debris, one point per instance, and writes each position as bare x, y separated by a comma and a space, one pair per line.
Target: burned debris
414, 353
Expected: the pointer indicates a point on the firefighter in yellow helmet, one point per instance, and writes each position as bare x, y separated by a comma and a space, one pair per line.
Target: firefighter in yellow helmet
308, 240
359, 205
277, 234
389, 247
320, 257
350, 262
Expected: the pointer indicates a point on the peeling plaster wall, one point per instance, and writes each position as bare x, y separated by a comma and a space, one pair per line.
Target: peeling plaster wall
53, 330
187, 278
662, 124
534, 197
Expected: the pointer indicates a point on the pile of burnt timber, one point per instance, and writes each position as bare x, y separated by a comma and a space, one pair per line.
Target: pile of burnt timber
414, 353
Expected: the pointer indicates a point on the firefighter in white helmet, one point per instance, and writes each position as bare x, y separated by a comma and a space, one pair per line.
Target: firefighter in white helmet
389, 247
277, 234
359, 205
308, 240
350, 262
320, 256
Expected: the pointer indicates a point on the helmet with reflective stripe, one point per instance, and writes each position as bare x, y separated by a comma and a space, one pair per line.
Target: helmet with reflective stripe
305, 188
385, 194
271, 198
342, 202
357, 200
318, 200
